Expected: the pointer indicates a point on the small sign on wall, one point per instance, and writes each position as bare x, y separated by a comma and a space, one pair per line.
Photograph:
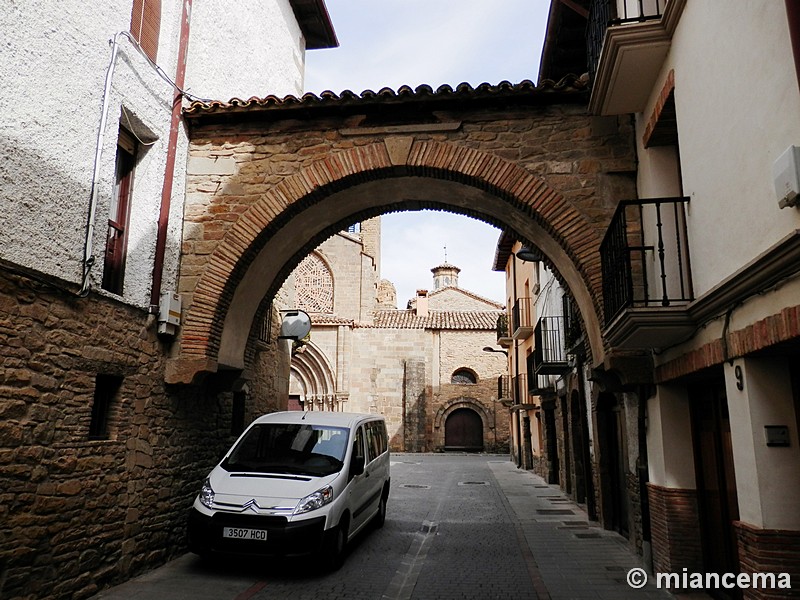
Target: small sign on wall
776, 435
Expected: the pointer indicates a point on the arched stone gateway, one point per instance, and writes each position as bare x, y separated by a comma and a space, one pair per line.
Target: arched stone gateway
470, 418
270, 179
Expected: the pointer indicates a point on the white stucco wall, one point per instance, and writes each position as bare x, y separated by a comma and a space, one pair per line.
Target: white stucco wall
262, 45
735, 92
54, 65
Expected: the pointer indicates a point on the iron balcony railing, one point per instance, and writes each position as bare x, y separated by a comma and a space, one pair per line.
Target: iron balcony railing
609, 13
521, 326
538, 384
645, 257
549, 352
503, 387
502, 327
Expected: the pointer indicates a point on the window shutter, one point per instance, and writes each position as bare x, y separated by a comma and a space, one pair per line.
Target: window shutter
146, 25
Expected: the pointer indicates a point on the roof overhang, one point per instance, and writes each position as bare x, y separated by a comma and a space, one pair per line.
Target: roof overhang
315, 23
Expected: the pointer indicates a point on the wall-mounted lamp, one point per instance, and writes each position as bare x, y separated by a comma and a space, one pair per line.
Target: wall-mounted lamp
528, 254
490, 349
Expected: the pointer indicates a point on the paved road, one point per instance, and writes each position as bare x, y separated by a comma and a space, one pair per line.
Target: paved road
459, 527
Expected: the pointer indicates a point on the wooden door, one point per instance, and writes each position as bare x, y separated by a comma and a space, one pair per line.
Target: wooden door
463, 430
716, 479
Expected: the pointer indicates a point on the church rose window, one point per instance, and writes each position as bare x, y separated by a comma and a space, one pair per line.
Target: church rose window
314, 285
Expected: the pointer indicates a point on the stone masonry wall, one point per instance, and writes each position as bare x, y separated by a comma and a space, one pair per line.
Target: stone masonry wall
77, 515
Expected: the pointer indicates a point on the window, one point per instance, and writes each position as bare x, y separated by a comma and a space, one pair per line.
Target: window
146, 25
464, 376
376, 439
105, 390
358, 445
314, 285
118, 215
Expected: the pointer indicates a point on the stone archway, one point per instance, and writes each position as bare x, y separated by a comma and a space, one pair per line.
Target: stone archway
266, 202
462, 403
311, 372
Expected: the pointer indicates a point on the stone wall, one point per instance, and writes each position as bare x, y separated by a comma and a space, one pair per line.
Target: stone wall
79, 514
550, 162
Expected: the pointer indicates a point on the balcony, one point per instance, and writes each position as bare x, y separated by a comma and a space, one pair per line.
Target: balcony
628, 42
549, 353
504, 339
521, 325
539, 385
504, 394
647, 283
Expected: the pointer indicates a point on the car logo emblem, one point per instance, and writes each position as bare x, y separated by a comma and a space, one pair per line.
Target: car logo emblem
252, 504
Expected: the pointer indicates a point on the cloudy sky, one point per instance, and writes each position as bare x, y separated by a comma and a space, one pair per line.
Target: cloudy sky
389, 43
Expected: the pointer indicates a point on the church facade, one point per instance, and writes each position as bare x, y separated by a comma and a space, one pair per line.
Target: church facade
423, 367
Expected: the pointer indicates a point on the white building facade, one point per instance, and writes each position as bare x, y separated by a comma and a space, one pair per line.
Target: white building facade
700, 274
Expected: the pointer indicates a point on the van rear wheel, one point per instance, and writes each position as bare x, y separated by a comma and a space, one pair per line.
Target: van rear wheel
380, 516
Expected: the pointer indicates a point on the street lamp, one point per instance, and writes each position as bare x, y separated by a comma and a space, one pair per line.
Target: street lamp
490, 349
529, 254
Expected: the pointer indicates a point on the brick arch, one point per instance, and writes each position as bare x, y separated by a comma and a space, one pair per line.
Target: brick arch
489, 187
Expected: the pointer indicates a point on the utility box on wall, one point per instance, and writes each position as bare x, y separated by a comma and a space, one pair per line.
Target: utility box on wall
169, 313
786, 175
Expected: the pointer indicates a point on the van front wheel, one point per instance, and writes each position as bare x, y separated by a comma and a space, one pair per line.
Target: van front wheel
337, 544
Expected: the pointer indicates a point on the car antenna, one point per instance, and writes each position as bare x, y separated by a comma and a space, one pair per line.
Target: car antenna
305, 414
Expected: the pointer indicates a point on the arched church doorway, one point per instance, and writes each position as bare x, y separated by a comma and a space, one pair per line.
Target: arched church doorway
463, 430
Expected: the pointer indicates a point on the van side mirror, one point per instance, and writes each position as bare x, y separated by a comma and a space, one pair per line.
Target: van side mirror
356, 466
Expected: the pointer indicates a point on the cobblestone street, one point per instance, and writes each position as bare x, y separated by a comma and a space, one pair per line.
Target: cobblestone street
458, 527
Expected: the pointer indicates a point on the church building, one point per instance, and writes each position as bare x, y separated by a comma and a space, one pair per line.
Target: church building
423, 367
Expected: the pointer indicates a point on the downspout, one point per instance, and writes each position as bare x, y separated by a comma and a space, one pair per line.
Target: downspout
172, 150
520, 442
793, 18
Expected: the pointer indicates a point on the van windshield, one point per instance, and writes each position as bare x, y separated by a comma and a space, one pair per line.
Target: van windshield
289, 448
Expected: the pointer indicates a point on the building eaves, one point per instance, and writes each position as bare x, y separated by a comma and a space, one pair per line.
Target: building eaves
568, 90
474, 320
320, 319
315, 23
504, 245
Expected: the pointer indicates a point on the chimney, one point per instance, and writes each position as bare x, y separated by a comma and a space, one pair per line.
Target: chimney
421, 307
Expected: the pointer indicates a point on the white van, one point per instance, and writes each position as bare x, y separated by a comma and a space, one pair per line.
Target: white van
295, 483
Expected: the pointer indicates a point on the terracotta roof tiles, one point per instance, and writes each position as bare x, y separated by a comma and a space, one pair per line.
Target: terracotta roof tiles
437, 319
505, 90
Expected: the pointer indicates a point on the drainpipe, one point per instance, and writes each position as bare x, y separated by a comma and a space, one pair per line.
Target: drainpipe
172, 150
520, 441
793, 18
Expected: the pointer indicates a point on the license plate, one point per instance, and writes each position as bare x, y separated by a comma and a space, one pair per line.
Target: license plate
239, 533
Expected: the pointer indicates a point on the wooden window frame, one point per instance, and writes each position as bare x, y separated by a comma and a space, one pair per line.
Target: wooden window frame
119, 215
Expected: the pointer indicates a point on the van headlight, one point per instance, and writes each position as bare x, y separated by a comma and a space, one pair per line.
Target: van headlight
314, 501
207, 494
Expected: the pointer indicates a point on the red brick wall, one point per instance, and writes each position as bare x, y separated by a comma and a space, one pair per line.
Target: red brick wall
769, 551
675, 530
